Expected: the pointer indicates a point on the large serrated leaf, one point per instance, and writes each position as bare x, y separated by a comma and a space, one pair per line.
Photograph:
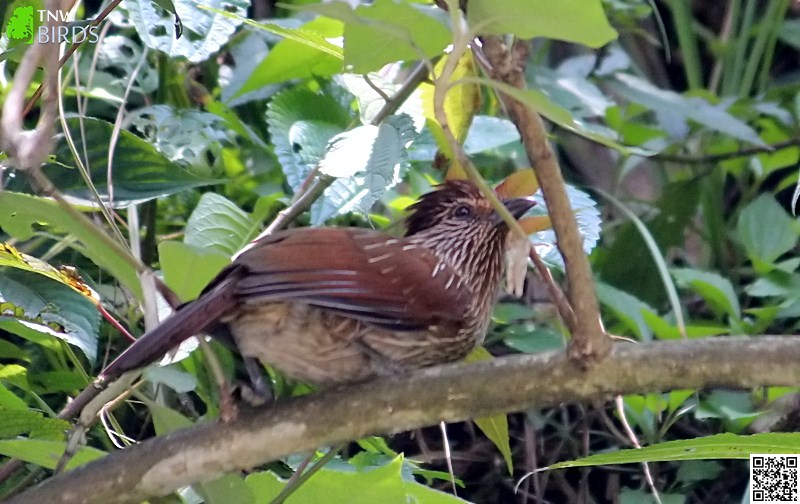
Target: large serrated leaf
218, 225
204, 31
139, 172
581, 21
53, 302
589, 222
300, 125
365, 161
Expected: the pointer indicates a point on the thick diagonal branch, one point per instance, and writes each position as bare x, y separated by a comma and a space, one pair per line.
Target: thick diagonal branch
450, 393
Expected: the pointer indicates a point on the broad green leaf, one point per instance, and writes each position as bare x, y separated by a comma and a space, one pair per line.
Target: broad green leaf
76, 316
382, 484
495, 427
47, 453
384, 32
20, 214
188, 269
719, 446
539, 339
305, 52
300, 125
14, 422
30, 330
204, 31
715, 289
628, 309
487, 133
139, 172
10, 401
713, 117
218, 225
580, 21
765, 230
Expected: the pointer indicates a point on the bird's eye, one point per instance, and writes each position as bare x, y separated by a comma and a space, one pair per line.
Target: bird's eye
462, 212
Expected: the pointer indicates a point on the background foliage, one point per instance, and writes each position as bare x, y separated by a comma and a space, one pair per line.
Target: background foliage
679, 118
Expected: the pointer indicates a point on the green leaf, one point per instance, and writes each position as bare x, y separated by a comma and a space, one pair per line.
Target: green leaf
20, 214
713, 117
204, 31
14, 422
384, 32
715, 289
580, 21
626, 308
765, 230
365, 161
218, 225
382, 484
187, 269
10, 401
300, 125
495, 427
539, 339
719, 446
53, 302
139, 172
304, 53
47, 453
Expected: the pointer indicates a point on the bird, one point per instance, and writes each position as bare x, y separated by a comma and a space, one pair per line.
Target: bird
332, 305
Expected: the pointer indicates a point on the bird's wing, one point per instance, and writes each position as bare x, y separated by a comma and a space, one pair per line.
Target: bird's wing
361, 274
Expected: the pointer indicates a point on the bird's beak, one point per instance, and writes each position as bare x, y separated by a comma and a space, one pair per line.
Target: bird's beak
517, 207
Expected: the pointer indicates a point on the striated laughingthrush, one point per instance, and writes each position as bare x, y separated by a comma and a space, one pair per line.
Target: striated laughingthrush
333, 305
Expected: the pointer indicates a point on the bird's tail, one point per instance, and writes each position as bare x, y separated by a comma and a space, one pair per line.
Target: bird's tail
190, 319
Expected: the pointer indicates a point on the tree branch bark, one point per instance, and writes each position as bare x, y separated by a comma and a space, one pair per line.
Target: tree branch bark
451, 393
589, 340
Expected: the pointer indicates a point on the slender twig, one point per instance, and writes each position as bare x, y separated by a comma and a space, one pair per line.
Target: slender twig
635, 442
724, 156
303, 475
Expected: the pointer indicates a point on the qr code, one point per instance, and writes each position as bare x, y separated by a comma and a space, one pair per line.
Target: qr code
773, 479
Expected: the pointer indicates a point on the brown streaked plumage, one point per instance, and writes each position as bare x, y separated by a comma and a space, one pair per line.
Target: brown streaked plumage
332, 305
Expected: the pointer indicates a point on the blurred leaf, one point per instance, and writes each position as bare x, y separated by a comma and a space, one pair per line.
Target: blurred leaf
719, 446
188, 269
385, 31
539, 339
305, 52
487, 133
381, 484
715, 289
204, 31
583, 21
626, 308
765, 230
713, 117
47, 453
519, 184
14, 422
461, 103
495, 427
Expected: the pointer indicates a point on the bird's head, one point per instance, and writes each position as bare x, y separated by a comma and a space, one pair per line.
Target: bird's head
458, 208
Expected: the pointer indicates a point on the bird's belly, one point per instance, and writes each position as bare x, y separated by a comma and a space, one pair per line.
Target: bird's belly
324, 348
